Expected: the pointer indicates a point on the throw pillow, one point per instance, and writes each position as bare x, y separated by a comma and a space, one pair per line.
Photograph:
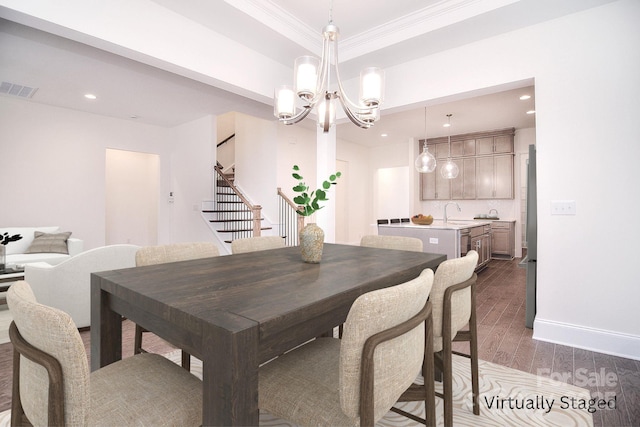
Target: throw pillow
49, 243
27, 234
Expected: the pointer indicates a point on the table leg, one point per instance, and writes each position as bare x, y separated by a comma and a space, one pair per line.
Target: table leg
106, 329
230, 375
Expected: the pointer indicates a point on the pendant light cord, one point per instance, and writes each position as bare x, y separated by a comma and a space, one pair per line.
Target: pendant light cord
449, 117
424, 146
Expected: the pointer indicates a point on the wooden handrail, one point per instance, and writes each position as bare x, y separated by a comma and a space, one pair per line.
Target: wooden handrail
255, 209
225, 140
300, 218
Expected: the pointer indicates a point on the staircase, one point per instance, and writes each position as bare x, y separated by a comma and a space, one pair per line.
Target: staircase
231, 215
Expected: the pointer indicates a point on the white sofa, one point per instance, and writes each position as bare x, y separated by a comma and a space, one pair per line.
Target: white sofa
67, 286
20, 239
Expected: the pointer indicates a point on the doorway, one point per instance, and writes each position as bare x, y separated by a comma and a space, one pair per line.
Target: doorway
132, 183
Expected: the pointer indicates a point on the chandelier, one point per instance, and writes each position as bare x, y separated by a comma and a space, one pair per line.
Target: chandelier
312, 79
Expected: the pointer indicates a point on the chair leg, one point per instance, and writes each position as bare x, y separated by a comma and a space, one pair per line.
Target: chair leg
16, 404
137, 340
473, 352
447, 383
186, 360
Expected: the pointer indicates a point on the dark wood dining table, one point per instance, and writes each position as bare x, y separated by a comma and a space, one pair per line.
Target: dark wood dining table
235, 312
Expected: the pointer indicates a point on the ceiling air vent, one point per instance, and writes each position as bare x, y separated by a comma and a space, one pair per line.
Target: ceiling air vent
14, 89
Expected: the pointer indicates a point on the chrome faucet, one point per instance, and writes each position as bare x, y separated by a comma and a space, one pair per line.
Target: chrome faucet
445, 209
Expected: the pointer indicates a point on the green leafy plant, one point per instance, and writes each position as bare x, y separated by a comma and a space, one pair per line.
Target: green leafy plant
310, 201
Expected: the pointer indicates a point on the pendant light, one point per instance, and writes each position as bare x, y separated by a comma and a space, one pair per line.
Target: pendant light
449, 170
425, 162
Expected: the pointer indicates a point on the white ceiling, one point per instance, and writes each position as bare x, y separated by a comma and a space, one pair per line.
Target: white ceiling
372, 33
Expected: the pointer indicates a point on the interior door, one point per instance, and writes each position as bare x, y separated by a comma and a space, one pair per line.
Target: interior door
132, 182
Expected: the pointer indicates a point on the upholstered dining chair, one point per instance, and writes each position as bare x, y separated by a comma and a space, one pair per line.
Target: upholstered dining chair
392, 242
161, 254
356, 380
52, 384
454, 307
258, 243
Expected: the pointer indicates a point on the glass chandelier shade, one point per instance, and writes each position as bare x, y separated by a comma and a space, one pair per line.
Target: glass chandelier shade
311, 86
449, 170
425, 162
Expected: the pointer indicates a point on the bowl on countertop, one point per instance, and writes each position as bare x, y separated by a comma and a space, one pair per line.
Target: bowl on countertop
422, 221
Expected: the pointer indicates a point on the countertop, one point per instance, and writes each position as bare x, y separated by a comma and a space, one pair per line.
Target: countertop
438, 224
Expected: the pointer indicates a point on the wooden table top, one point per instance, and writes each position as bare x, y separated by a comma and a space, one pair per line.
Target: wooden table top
274, 288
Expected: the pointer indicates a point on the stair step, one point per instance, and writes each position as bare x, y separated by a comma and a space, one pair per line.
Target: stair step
233, 220
224, 210
242, 230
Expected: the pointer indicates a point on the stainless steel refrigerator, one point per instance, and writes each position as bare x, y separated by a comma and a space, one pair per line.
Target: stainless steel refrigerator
532, 239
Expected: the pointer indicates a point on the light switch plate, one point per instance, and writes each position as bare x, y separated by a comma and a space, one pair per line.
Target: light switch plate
433, 240
563, 207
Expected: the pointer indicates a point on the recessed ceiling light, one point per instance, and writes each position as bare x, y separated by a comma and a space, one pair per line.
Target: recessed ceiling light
525, 97
446, 125
90, 96
531, 112
383, 135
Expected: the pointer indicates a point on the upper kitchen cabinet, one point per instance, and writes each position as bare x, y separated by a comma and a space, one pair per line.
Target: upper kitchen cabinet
485, 160
440, 150
494, 177
463, 148
434, 187
498, 144
464, 186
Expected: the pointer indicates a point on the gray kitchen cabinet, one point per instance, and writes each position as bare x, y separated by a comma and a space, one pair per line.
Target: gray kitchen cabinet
481, 243
494, 177
494, 145
433, 186
463, 148
503, 239
485, 160
464, 186
442, 150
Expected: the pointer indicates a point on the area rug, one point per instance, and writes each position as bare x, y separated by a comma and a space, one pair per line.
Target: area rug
507, 398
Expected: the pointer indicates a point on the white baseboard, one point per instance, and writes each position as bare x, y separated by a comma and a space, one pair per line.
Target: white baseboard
598, 340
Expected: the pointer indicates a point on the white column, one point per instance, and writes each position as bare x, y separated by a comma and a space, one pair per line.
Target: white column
325, 166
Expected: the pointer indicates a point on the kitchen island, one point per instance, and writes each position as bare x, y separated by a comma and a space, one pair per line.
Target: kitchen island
453, 238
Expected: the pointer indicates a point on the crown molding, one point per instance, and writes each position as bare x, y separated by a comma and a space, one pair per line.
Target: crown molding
441, 14
280, 21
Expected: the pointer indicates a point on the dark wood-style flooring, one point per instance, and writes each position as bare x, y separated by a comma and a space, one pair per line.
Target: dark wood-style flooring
503, 340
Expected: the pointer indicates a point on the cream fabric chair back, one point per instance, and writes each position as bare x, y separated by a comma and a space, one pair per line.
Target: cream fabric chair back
401, 358
52, 331
258, 243
392, 242
151, 255
449, 273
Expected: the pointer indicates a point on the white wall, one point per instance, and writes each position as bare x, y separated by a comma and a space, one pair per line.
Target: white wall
193, 155
53, 170
226, 153
256, 159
